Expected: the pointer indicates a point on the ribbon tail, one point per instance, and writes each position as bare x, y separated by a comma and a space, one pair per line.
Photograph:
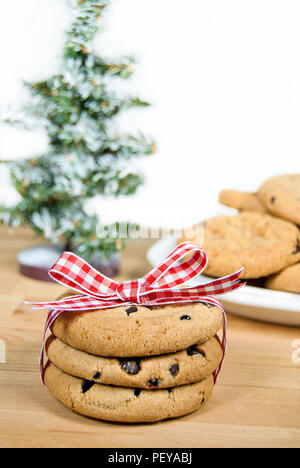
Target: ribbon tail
218, 286
224, 347
192, 294
52, 316
53, 304
78, 303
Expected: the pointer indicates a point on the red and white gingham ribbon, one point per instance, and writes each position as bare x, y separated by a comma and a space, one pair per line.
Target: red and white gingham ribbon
159, 287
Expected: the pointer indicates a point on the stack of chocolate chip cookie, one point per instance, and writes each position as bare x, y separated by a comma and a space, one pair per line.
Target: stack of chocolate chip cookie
264, 237
135, 364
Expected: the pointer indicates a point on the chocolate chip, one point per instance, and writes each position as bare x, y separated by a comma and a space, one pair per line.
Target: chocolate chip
174, 369
131, 310
170, 390
87, 385
185, 317
97, 375
132, 367
273, 200
297, 249
137, 392
153, 383
194, 350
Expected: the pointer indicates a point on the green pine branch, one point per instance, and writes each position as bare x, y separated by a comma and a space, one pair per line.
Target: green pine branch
86, 157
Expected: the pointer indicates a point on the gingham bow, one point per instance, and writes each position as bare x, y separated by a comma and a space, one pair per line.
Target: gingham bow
159, 287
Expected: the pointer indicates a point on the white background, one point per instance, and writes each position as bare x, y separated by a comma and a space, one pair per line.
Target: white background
223, 77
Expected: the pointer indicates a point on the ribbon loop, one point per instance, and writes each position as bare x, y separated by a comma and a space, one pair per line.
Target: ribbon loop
75, 273
172, 273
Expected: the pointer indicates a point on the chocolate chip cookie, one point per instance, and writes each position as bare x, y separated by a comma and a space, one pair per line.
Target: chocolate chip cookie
138, 331
281, 196
260, 243
287, 280
169, 370
126, 404
242, 201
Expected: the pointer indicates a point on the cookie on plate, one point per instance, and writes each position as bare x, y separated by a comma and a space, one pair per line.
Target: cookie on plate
281, 196
260, 243
126, 404
242, 201
287, 280
132, 331
168, 370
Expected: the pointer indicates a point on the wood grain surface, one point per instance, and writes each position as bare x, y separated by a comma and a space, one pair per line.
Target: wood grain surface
256, 402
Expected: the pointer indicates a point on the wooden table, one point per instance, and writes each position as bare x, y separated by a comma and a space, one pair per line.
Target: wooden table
256, 402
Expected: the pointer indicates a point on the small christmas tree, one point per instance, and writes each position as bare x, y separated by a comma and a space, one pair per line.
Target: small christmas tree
85, 157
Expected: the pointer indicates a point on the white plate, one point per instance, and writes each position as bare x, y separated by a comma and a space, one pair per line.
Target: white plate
251, 302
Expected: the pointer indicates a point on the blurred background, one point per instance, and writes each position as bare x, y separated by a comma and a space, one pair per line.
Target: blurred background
223, 78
